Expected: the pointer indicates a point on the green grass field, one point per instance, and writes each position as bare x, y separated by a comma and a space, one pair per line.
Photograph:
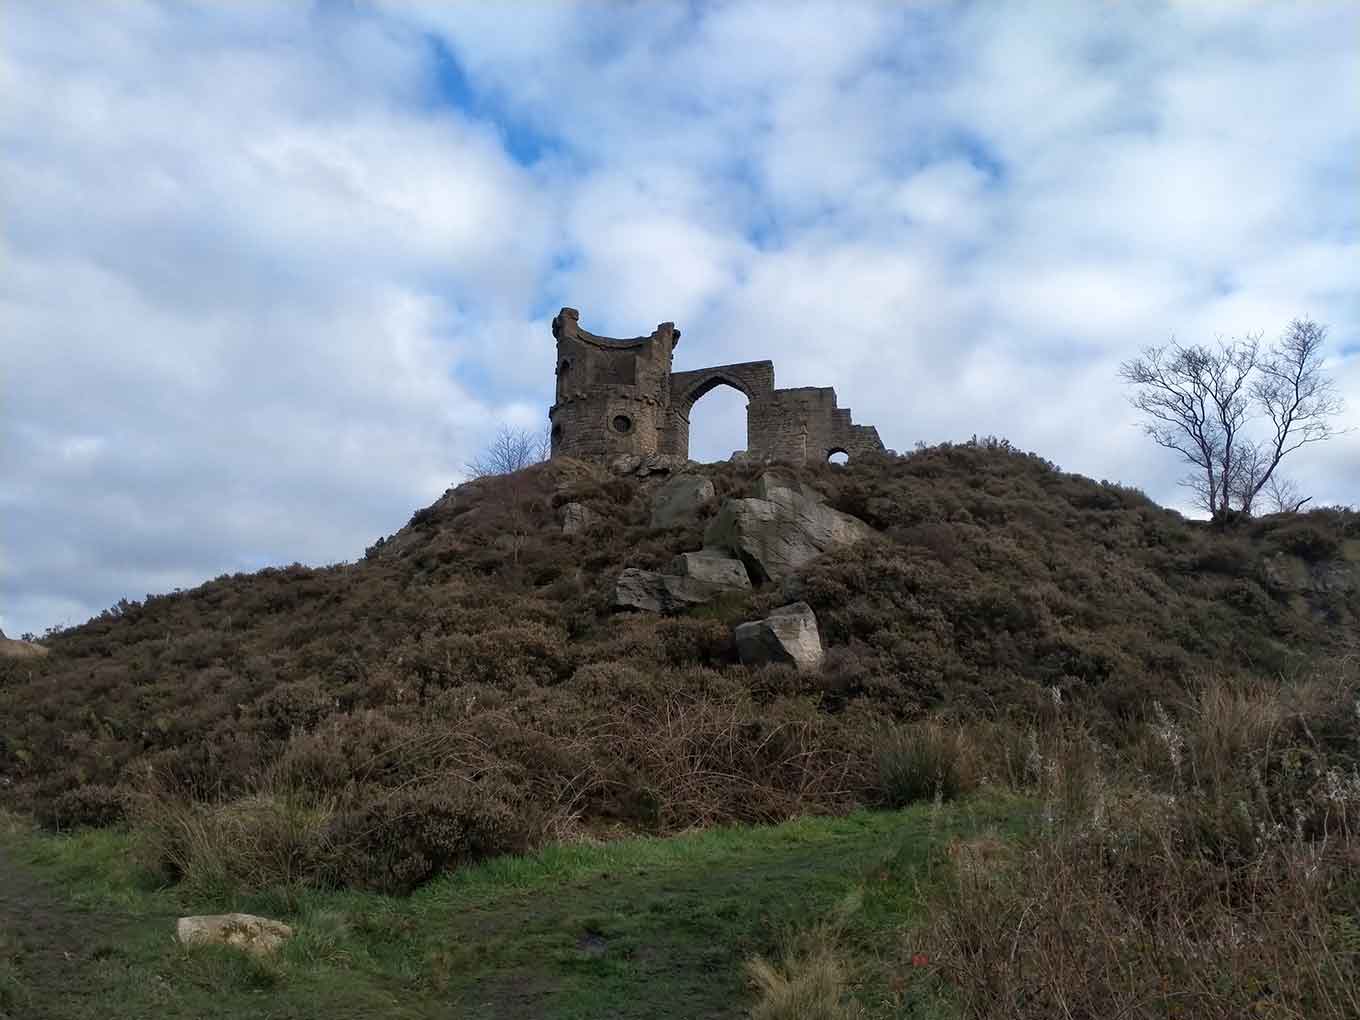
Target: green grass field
637, 928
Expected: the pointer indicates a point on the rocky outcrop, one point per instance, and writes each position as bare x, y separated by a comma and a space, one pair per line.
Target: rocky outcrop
254, 934
712, 566
680, 499
784, 526
788, 635
577, 517
652, 592
642, 465
1292, 574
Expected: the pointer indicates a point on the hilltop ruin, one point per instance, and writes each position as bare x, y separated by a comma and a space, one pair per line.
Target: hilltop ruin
621, 397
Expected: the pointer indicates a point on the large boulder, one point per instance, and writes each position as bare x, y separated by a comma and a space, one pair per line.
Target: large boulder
254, 934
662, 593
783, 527
789, 635
681, 499
712, 566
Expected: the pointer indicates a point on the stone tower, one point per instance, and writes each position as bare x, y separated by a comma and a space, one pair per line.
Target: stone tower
613, 396
621, 397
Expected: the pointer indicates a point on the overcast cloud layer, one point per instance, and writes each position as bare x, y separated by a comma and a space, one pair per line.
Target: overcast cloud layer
270, 274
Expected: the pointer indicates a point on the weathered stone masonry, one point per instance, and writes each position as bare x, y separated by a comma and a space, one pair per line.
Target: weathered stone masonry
621, 397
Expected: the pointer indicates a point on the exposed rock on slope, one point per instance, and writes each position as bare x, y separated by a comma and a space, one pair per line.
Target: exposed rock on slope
653, 592
713, 566
789, 634
576, 517
680, 499
11, 649
782, 528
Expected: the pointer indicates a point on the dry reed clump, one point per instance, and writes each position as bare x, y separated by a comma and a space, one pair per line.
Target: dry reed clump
811, 981
1121, 921
926, 760
269, 839
1212, 875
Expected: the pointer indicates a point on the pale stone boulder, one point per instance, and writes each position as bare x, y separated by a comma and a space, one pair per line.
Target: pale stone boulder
776, 534
713, 566
662, 593
244, 931
576, 518
788, 635
681, 499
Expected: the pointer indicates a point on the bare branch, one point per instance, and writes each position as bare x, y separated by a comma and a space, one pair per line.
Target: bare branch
1283, 496
510, 450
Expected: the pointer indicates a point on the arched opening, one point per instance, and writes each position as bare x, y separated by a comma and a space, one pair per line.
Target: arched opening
838, 457
717, 423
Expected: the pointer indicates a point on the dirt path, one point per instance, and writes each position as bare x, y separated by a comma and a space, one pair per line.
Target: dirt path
55, 960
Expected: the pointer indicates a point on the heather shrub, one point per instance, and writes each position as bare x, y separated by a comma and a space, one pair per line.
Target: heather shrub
393, 841
92, 805
481, 642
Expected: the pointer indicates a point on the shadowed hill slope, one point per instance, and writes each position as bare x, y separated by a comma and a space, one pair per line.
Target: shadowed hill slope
465, 687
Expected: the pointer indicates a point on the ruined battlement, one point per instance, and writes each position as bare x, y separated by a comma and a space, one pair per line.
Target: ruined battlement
622, 397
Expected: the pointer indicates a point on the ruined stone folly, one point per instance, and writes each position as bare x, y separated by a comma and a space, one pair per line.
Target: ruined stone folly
622, 397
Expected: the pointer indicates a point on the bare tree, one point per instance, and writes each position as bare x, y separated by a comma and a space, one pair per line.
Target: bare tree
1283, 496
510, 450
1201, 402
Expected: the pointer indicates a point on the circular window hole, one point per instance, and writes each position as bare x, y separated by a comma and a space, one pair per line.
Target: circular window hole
623, 423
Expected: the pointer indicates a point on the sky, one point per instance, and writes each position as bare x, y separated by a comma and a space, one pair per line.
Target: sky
272, 273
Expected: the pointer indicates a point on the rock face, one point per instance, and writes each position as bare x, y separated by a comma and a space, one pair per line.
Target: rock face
781, 529
681, 499
712, 566
244, 931
662, 593
1292, 574
644, 464
789, 634
576, 517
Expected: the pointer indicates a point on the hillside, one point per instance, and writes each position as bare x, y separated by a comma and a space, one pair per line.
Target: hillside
478, 642
1130, 741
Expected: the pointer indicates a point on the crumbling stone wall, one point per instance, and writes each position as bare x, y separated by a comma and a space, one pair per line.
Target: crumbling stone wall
621, 397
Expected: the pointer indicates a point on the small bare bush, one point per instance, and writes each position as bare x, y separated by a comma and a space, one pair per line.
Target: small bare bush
726, 759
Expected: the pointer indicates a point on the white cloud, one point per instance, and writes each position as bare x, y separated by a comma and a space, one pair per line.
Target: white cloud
272, 272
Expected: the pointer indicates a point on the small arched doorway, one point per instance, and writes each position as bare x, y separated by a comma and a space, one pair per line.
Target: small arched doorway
838, 456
